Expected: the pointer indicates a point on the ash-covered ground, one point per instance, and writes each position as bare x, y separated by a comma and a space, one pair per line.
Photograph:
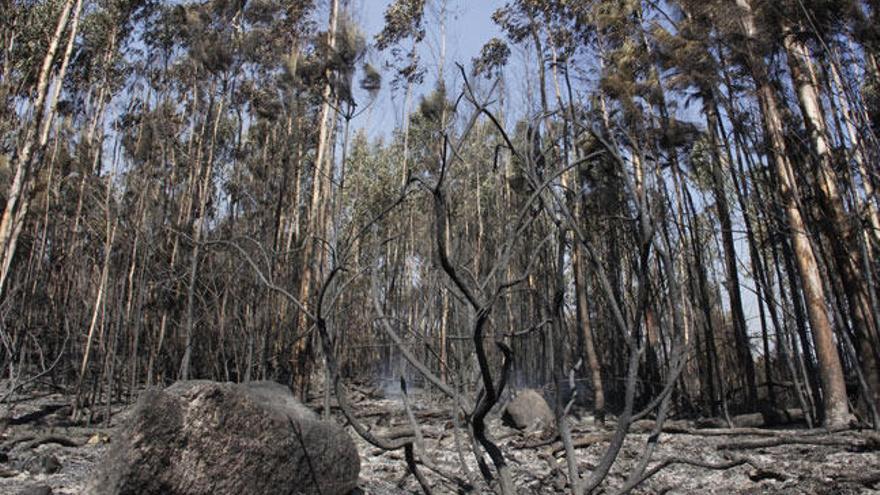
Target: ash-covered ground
41, 448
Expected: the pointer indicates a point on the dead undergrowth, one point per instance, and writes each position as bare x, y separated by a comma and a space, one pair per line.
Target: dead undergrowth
41, 447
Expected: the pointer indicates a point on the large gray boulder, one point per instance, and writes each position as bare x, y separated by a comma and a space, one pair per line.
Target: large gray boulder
529, 411
208, 438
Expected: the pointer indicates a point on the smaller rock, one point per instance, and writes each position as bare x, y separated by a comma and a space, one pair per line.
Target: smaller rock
43, 464
529, 411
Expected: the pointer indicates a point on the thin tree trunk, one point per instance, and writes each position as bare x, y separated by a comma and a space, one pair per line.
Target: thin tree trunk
322, 173
730, 263
204, 191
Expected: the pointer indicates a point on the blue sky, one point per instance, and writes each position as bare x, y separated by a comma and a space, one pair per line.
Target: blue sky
469, 23
468, 27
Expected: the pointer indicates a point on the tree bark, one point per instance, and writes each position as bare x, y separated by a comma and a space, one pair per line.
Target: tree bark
322, 174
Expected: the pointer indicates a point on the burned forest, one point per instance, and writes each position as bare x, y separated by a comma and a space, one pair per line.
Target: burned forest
439, 246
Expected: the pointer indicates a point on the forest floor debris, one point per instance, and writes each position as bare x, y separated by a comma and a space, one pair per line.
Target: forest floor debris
787, 462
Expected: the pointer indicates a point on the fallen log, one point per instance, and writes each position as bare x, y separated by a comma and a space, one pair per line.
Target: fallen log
721, 466
406, 431
37, 415
868, 480
367, 391
648, 426
584, 442
748, 431
60, 440
32, 441
865, 444
770, 417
